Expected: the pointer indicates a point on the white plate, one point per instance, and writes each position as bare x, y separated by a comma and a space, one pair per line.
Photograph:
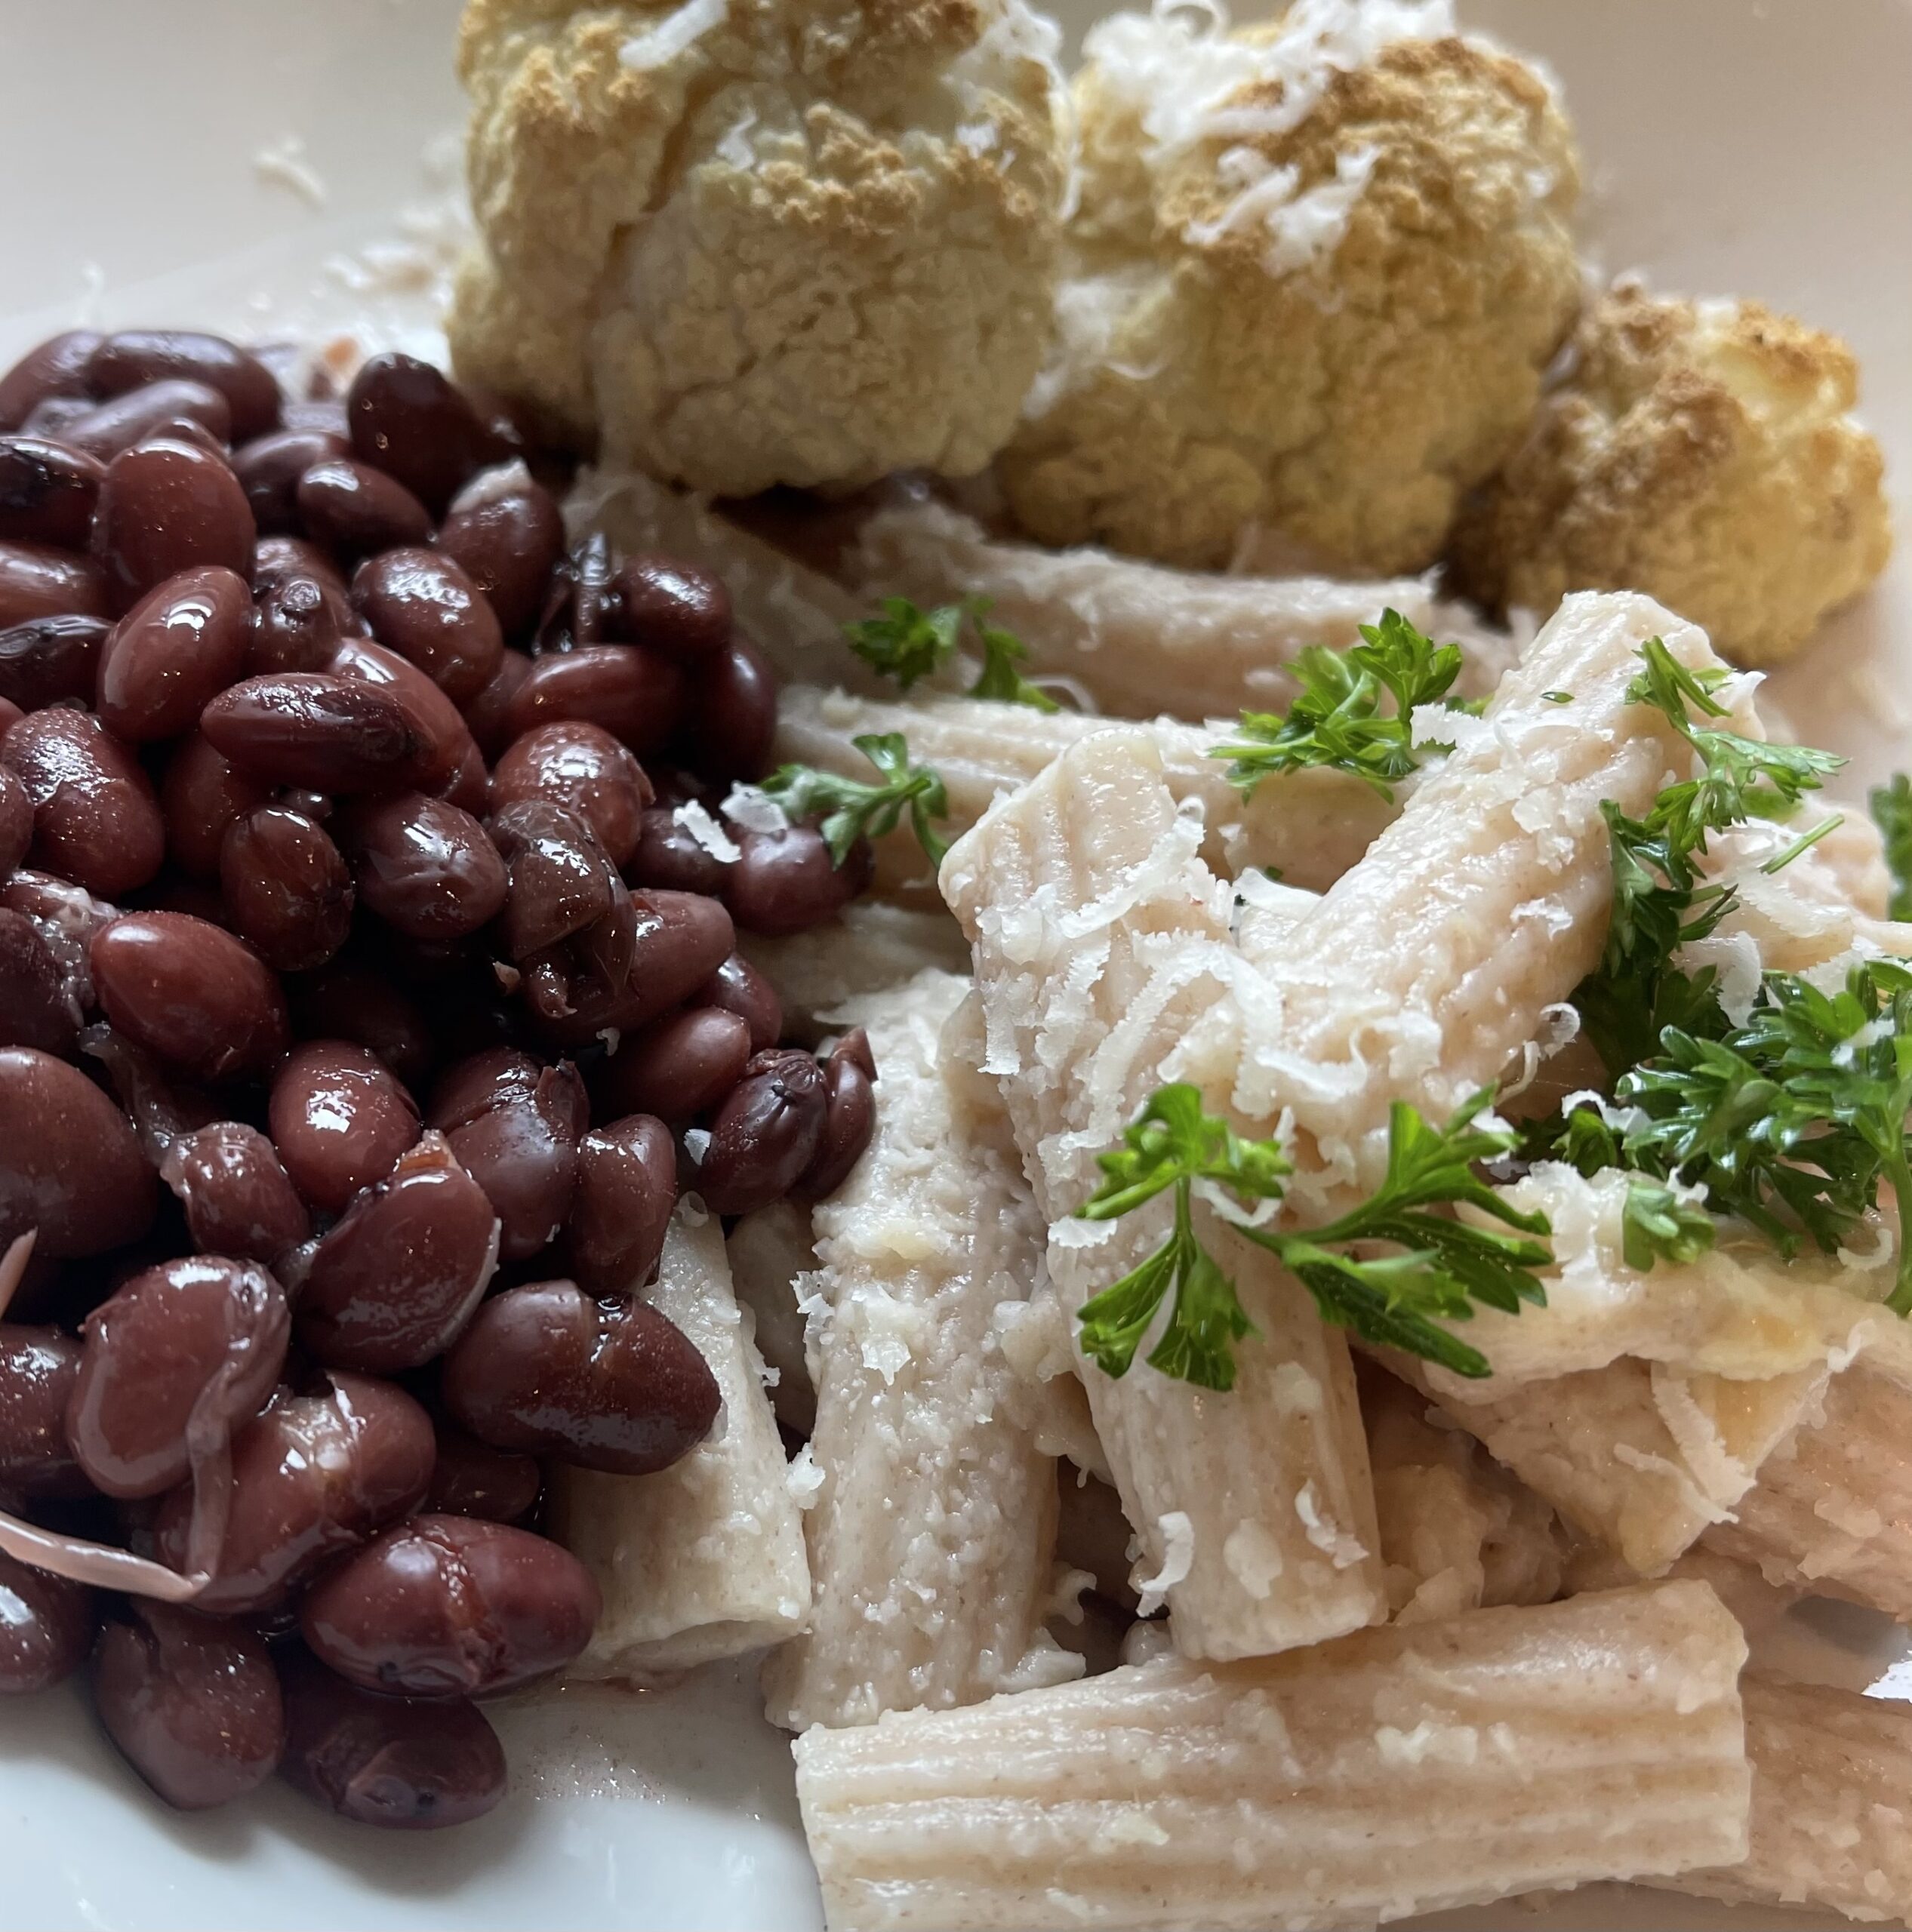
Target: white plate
154, 155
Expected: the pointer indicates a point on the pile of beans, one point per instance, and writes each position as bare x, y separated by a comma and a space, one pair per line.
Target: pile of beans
368, 987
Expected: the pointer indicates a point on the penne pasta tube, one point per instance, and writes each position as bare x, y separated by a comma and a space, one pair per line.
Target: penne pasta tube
866, 948
1099, 937
1832, 1798
704, 1559
1394, 1771
1757, 1606
932, 1531
769, 1251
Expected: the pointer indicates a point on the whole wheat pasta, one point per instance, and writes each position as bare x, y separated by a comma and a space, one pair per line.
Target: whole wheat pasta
868, 946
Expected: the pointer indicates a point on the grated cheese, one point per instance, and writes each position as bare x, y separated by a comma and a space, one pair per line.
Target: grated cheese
672, 34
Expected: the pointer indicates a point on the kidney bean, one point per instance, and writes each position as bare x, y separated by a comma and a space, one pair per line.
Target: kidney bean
51, 368
38, 1369
46, 1627
287, 888
310, 728
487, 714
134, 359
238, 1200
681, 939
95, 818
669, 854
173, 1362
560, 879
739, 987
48, 492
422, 605
202, 797
507, 533
448, 751
35, 1009
38, 582
471, 1478
849, 1118
407, 418
607, 1384
678, 1067
354, 509
176, 649
49, 660
424, 866
786, 881
298, 624
66, 916
183, 429
52, 418
340, 1120
275, 560
164, 507
16, 812
764, 1135
580, 597
514, 1125
681, 611
469, 788
635, 694
404, 1764
583, 768
627, 1188
345, 1002
10, 715
269, 468
732, 714
311, 1476
192, 1703
197, 997
108, 428
396, 1279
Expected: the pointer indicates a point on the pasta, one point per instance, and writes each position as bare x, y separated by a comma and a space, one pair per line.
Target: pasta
867, 947
770, 1252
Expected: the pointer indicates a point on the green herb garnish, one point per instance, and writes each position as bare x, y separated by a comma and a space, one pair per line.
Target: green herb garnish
907, 644
847, 810
1892, 811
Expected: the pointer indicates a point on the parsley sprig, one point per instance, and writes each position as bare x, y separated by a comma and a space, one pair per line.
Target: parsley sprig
847, 809
907, 644
1337, 718
1892, 811
1439, 1268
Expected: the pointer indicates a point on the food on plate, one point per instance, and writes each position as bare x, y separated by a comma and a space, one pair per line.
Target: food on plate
1704, 452
742, 242
1315, 270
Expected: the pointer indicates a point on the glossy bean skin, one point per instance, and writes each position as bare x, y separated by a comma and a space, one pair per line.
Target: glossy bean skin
38, 1366
352, 509
37, 581
311, 1476
66, 916
582, 767
16, 812
201, 797
560, 881
678, 1068
269, 468
178, 647
397, 1278
74, 1169
190, 993
192, 1703
507, 535
732, 714
635, 694
424, 865
95, 820
626, 1188
488, 715
52, 367
46, 1627
668, 854
164, 507
739, 987
407, 1764
132, 358
237, 1197
450, 1606
349, 1003
849, 1118
172, 1363
447, 747
340, 1120
421, 604
765, 1134
408, 419
49, 660
48, 492
609, 1384
471, 1478
514, 1125
276, 560
681, 611
311, 729
110, 428
786, 882
298, 624
287, 887
35, 1008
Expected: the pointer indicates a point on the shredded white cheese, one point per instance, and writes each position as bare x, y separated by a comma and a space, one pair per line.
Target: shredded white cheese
749, 807
1178, 1534
707, 832
672, 34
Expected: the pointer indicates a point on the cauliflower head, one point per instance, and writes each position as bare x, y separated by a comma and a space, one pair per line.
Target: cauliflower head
746, 242
1701, 452
1316, 270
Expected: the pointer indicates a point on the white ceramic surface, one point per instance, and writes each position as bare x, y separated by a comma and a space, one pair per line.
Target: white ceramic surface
281, 168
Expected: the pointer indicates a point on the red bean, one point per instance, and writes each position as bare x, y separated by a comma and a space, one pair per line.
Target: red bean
196, 997
450, 1606
627, 1188
49, 660
239, 1199
108, 428
681, 939
514, 1125
48, 492
447, 747
424, 866
269, 468
203, 797
164, 507
583, 768
192, 1703
134, 358
469, 789
35, 1008
38, 1369
406, 417
52, 417
16, 815
669, 854
471, 1478
299, 625
95, 818
507, 533
66, 916
849, 1118
635, 694
287, 888
396, 1279
340, 1120
277, 559
175, 650
487, 714
354, 509
52, 368
683, 611
404, 1763
46, 1627
37, 582
679, 1067
349, 1003
580, 597
313, 1475
183, 429
422, 605
786, 882
309, 728
607, 1384
732, 716
739, 987
765, 1134
561, 881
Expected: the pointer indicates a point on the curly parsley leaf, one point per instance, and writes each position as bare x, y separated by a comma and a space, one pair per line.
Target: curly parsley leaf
1658, 1224
905, 643
1892, 811
1002, 651
847, 809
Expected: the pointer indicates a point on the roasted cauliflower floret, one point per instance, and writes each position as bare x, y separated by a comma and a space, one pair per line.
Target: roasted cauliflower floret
745, 242
1314, 272
1701, 452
